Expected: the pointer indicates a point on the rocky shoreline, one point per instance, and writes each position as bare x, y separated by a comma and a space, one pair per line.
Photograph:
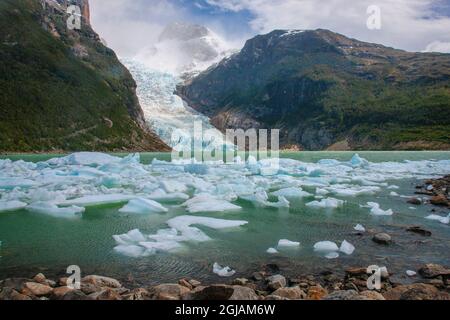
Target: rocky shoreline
432, 283
437, 190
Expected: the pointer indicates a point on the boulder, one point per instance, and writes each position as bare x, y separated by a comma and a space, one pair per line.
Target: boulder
240, 282
372, 295
40, 278
276, 282
243, 294
212, 293
316, 293
415, 201
168, 292
60, 292
137, 294
382, 238
102, 282
76, 295
37, 289
439, 200
9, 294
186, 283
417, 291
107, 294
431, 271
345, 295
293, 293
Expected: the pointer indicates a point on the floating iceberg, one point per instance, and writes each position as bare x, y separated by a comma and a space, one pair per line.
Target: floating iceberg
292, 193
167, 240
377, 211
53, 210
11, 205
435, 217
347, 248
331, 203
208, 203
288, 244
326, 246
143, 206
223, 272
98, 200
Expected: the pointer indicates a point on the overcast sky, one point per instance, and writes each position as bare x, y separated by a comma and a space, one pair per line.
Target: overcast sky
414, 25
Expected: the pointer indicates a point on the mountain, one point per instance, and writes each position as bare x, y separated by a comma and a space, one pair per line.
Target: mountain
184, 49
61, 89
326, 91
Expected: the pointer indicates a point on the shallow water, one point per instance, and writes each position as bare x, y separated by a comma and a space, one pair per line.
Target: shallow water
33, 243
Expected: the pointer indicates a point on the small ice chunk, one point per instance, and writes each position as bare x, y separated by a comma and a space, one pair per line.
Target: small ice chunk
53, 210
208, 203
200, 169
326, 246
360, 228
377, 211
332, 255
131, 251
223, 272
11, 205
272, 251
291, 193
172, 186
394, 194
162, 195
284, 243
347, 248
411, 273
156, 246
322, 192
143, 206
430, 188
331, 203
393, 187
12, 183
435, 217
97, 200
357, 161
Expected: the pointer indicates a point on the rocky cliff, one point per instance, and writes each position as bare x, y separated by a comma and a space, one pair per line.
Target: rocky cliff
326, 91
61, 89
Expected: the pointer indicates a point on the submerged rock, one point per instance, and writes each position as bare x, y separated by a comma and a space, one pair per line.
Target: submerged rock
382, 238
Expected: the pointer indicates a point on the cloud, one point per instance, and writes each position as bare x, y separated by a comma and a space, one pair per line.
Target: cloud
438, 46
406, 24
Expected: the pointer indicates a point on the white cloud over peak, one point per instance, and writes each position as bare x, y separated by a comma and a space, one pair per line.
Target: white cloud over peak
406, 24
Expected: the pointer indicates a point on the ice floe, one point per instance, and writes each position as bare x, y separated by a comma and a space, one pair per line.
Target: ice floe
331, 203
377, 211
292, 193
284, 243
223, 271
143, 206
166, 240
208, 203
11, 205
435, 217
53, 210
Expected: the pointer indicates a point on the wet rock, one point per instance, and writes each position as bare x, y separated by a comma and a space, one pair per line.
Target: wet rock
276, 282
415, 201
356, 271
213, 293
240, 282
317, 293
418, 291
40, 278
89, 288
243, 293
17, 284
37, 289
275, 298
430, 271
372, 295
137, 294
382, 238
60, 292
63, 281
195, 283
107, 294
185, 283
293, 293
419, 230
257, 276
102, 282
439, 200
168, 292
345, 295
9, 294
76, 295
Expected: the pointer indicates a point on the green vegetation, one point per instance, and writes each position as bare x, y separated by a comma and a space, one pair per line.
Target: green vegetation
63, 90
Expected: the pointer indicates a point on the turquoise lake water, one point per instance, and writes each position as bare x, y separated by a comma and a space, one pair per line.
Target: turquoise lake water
33, 243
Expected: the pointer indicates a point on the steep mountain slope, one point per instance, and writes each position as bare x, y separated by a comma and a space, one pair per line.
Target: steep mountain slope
324, 90
64, 90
